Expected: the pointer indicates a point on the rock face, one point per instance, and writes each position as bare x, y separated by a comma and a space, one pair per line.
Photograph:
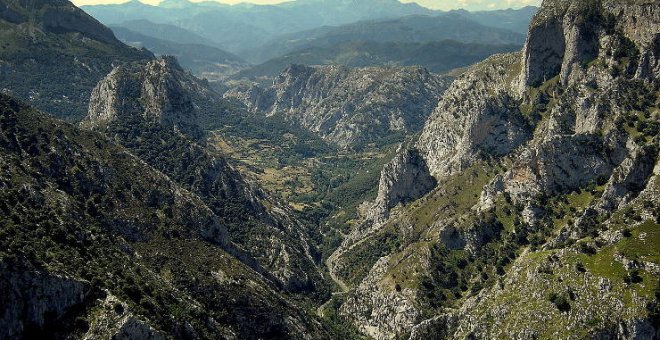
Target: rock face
36, 300
539, 151
405, 179
477, 117
381, 313
349, 107
565, 34
157, 92
152, 110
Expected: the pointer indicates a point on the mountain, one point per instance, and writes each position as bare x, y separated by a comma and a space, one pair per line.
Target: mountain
134, 10
515, 20
163, 32
408, 29
350, 107
531, 191
98, 244
202, 60
245, 26
53, 54
517, 200
437, 56
153, 110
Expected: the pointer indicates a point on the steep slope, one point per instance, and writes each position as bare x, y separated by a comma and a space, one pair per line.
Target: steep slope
53, 54
153, 110
97, 244
437, 56
546, 197
408, 29
349, 107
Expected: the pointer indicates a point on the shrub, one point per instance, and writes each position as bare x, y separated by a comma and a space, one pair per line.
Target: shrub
561, 301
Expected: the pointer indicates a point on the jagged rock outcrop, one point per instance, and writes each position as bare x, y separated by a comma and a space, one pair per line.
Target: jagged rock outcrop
629, 178
349, 106
574, 116
404, 179
158, 92
114, 320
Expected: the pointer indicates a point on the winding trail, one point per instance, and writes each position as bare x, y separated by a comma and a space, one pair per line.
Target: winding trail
330, 264
343, 287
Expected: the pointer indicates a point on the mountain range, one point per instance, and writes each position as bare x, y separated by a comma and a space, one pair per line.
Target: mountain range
207, 37
203, 60
438, 56
515, 197
245, 26
406, 29
252, 31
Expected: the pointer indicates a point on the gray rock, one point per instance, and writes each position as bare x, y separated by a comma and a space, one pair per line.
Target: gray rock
477, 116
348, 106
406, 178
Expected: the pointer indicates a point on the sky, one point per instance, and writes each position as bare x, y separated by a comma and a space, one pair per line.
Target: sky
434, 4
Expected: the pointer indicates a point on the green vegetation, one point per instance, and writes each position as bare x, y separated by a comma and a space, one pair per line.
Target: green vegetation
57, 71
105, 218
313, 177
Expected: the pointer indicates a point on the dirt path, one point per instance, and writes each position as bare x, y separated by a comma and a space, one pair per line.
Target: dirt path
329, 263
343, 287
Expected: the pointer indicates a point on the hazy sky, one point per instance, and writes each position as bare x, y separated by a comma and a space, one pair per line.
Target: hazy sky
435, 4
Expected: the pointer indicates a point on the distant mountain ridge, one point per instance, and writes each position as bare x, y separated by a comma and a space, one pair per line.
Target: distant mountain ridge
408, 29
245, 27
436, 56
203, 60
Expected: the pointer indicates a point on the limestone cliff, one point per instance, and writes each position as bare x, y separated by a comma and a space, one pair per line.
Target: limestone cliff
546, 154
349, 107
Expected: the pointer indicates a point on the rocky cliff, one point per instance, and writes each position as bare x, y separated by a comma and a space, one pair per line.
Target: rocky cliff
158, 93
152, 110
545, 193
405, 179
349, 107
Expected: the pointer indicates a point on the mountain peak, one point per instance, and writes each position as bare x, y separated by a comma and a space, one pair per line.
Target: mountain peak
154, 92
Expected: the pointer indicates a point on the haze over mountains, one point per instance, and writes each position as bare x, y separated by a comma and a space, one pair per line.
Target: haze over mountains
422, 175
267, 34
